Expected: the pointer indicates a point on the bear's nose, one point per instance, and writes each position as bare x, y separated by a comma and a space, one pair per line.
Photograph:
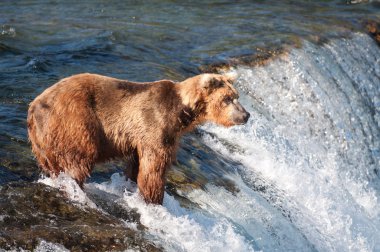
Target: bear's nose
246, 117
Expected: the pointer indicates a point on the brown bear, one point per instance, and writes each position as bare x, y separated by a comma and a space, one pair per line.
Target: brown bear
87, 118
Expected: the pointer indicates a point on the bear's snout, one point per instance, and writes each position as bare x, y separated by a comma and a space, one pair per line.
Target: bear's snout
239, 115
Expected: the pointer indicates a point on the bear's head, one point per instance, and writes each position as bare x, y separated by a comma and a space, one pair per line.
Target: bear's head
213, 98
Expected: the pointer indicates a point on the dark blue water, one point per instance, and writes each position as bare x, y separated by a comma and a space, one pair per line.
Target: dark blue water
302, 175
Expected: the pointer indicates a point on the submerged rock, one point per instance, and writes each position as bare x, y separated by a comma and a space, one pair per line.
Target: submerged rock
197, 166
32, 212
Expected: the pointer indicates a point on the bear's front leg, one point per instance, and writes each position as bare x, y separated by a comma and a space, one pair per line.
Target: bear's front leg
151, 175
132, 162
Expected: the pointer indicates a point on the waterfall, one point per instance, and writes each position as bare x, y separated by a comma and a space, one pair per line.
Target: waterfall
312, 147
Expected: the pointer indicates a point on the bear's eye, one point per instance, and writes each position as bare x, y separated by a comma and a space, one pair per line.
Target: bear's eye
227, 100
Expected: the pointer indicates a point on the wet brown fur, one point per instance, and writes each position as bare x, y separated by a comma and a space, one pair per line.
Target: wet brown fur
87, 118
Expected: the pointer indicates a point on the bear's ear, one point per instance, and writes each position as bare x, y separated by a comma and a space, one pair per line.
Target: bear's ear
210, 83
231, 76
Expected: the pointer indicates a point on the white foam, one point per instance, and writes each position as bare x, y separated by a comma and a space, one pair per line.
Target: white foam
2, 217
68, 185
176, 228
117, 185
44, 246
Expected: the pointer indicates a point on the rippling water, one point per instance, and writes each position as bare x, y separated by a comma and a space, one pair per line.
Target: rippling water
302, 175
